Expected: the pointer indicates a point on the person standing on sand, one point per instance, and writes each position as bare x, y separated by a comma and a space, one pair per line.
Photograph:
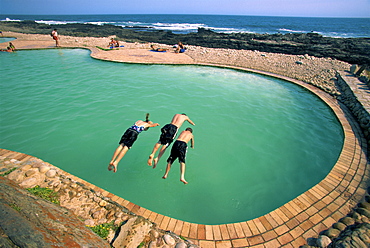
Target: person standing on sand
55, 36
168, 134
128, 139
179, 150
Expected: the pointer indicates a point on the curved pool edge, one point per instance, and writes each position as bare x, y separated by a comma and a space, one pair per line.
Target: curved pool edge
289, 225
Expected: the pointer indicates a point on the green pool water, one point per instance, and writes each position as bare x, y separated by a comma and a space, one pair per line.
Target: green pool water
259, 141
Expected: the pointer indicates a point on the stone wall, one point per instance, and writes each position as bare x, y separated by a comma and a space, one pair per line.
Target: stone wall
358, 108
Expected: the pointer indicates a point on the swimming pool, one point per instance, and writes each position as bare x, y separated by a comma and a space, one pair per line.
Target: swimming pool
259, 141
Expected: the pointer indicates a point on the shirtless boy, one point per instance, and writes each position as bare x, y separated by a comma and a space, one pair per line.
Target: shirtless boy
179, 150
169, 132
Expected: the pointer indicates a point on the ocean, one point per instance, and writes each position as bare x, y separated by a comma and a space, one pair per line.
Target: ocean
328, 27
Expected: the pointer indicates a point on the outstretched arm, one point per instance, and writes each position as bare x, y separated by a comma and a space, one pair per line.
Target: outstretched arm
190, 121
153, 125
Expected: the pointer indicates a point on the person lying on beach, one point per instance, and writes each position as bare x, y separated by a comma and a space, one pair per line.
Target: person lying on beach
113, 43
180, 48
8, 49
128, 139
168, 134
154, 48
179, 150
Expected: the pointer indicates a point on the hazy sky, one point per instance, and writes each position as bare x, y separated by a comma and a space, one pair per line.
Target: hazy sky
310, 8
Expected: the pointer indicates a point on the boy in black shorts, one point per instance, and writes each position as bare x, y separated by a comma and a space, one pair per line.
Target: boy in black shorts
179, 150
168, 134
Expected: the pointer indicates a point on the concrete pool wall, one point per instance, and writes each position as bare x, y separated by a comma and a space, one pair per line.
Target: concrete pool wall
288, 226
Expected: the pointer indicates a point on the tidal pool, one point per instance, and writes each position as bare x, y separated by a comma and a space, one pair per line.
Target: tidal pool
259, 141
6, 39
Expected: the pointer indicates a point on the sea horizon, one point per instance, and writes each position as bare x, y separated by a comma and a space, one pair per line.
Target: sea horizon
335, 17
336, 27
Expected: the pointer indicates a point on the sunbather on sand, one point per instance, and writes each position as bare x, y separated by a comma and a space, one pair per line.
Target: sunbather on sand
180, 48
113, 43
154, 48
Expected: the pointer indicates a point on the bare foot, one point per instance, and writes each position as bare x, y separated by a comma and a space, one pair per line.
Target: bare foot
150, 160
110, 166
115, 166
164, 177
184, 181
155, 163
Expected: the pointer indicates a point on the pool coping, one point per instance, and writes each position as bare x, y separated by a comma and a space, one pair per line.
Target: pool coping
289, 225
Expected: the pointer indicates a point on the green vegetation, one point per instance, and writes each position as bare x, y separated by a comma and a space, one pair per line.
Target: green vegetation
103, 229
106, 49
8, 172
15, 206
45, 193
141, 245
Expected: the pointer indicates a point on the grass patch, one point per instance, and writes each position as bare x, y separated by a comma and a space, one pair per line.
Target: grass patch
103, 229
106, 49
16, 207
8, 172
45, 193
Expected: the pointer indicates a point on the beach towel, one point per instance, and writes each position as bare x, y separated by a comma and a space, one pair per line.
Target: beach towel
116, 47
